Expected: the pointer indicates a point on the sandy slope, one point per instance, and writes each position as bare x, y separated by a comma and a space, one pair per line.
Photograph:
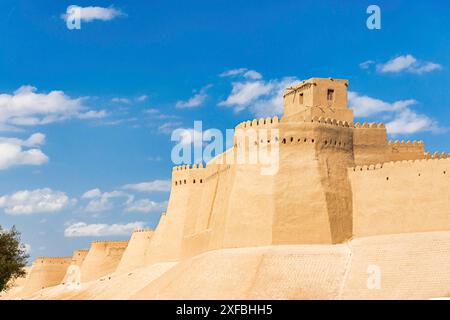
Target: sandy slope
405, 263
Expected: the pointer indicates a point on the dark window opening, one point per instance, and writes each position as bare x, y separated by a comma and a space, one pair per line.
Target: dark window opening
330, 94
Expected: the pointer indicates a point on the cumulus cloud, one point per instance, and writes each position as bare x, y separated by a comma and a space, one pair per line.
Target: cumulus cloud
408, 121
196, 100
88, 14
365, 106
103, 201
246, 73
28, 202
82, 229
407, 63
149, 186
401, 118
146, 206
261, 97
16, 152
27, 107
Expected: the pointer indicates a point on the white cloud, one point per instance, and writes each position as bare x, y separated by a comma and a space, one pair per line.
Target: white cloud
408, 122
93, 193
407, 63
196, 100
15, 152
149, 186
365, 106
142, 98
93, 114
244, 72
401, 119
366, 64
88, 14
27, 107
82, 229
28, 202
146, 206
121, 100
260, 97
103, 201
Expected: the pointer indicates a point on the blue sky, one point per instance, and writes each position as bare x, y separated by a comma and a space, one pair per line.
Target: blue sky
86, 115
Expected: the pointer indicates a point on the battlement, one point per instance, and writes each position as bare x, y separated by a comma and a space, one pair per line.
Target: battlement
371, 125
255, 123
430, 158
52, 260
188, 167
109, 243
143, 230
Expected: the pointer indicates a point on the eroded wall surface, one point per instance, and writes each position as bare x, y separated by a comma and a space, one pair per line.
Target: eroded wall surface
399, 197
45, 272
102, 259
135, 254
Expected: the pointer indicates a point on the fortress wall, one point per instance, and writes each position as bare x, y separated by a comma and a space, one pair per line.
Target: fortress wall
134, 255
73, 273
371, 146
399, 197
306, 204
243, 217
79, 256
20, 282
197, 231
185, 204
409, 150
45, 272
102, 259
152, 253
243, 208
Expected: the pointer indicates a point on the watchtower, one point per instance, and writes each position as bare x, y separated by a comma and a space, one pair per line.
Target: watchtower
317, 97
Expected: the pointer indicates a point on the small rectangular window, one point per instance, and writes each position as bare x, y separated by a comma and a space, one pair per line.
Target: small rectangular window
330, 94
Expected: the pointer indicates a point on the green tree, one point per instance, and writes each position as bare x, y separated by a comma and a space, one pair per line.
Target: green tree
13, 257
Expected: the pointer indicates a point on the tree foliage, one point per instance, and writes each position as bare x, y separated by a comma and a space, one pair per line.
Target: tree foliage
13, 257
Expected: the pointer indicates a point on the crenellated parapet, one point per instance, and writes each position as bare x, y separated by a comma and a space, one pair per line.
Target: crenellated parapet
143, 230
259, 123
52, 260
109, 243
369, 125
429, 159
